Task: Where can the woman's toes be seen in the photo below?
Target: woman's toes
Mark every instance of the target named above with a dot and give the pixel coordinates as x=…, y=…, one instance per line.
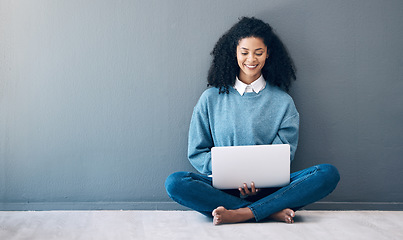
x=217, y=215
x=289, y=212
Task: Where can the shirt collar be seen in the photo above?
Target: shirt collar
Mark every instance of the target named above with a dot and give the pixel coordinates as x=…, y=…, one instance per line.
x=256, y=86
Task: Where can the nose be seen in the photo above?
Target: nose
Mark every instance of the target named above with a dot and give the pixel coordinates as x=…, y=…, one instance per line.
x=251, y=57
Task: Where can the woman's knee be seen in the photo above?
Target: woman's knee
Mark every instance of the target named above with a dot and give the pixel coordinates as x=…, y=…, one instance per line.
x=330, y=173
x=173, y=182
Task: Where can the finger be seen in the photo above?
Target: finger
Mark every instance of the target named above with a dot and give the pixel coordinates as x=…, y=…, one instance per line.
x=252, y=186
x=246, y=189
x=242, y=191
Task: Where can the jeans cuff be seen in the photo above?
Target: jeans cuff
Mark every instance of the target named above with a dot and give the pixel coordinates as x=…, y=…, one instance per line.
x=254, y=214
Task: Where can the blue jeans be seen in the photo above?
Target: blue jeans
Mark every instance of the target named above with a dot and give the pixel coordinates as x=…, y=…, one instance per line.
x=195, y=191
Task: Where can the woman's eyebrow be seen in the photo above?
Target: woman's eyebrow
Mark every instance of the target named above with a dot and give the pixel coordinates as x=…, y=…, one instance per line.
x=244, y=48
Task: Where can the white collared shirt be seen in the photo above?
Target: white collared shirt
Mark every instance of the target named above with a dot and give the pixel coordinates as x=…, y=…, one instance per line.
x=256, y=86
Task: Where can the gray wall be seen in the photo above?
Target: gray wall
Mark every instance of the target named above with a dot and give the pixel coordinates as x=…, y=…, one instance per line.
x=96, y=96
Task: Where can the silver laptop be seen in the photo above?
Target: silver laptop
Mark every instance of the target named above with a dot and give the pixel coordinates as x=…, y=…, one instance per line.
x=265, y=165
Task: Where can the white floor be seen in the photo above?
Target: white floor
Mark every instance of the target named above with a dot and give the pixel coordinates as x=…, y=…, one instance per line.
x=99, y=225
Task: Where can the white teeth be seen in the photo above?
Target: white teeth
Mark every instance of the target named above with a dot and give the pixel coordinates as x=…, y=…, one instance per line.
x=250, y=66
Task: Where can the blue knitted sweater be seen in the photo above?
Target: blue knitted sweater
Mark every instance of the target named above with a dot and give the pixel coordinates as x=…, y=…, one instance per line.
x=269, y=117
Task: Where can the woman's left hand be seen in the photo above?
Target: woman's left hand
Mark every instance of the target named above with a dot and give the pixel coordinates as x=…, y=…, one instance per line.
x=245, y=192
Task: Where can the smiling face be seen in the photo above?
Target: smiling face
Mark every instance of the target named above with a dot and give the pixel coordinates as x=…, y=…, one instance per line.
x=251, y=54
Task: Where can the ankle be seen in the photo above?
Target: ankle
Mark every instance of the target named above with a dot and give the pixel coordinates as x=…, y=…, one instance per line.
x=245, y=213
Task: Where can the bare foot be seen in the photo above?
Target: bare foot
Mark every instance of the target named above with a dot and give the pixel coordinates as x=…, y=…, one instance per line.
x=286, y=215
x=222, y=215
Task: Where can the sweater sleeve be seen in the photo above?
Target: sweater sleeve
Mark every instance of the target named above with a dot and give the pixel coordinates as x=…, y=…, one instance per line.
x=200, y=140
x=288, y=133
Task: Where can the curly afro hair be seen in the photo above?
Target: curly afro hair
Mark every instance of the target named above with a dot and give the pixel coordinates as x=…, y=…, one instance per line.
x=279, y=70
